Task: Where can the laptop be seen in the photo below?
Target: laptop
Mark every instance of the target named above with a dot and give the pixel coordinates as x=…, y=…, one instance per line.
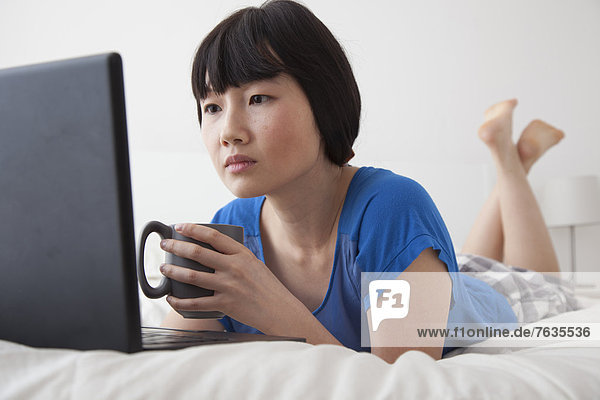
x=67, y=246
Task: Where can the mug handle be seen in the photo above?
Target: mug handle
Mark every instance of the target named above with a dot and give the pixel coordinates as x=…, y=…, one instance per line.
x=164, y=287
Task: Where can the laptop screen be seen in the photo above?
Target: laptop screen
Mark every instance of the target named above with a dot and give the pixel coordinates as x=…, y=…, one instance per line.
x=67, y=248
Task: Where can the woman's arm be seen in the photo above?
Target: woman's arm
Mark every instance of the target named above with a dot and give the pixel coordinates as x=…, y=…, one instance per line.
x=430, y=292
x=244, y=289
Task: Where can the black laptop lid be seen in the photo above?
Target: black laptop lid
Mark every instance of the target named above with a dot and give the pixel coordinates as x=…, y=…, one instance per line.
x=67, y=249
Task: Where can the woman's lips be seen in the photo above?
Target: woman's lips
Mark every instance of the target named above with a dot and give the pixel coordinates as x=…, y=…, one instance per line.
x=238, y=163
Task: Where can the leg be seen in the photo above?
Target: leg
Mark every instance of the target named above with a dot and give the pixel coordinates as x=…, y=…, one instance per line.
x=486, y=237
x=535, y=140
x=510, y=221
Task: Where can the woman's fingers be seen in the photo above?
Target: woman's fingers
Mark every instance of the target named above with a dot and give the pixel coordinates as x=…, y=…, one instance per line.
x=219, y=241
x=206, y=303
x=223, y=244
x=192, y=251
x=201, y=279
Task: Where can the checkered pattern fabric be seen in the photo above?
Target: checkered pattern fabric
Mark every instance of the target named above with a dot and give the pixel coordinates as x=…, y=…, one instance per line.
x=532, y=295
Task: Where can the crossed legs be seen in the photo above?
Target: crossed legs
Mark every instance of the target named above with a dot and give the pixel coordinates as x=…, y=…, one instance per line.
x=510, y=227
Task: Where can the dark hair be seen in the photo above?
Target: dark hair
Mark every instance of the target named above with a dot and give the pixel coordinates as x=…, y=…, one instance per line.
x=283, y=36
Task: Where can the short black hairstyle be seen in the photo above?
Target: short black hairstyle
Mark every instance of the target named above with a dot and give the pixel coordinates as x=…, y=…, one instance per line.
x=283, y=36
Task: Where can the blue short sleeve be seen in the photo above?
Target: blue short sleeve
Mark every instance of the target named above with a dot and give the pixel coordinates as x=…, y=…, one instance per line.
x=399, y=220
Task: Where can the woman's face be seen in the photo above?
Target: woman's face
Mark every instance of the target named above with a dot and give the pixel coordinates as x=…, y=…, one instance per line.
x=262, y=136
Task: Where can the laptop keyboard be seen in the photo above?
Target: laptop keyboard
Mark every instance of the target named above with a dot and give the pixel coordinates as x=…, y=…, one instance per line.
x=166, y=338
x=163, y=337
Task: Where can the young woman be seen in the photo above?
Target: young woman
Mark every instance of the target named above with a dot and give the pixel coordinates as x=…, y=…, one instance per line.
x=279, y=110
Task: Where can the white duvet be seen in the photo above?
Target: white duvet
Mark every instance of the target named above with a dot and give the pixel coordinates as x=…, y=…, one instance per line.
x=290, y=370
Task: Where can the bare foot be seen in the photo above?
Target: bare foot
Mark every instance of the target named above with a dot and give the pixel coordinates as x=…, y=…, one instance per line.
x=496, y=131
x=535, y=140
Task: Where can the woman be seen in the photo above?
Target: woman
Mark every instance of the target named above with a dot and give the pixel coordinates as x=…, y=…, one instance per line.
x=279, y=110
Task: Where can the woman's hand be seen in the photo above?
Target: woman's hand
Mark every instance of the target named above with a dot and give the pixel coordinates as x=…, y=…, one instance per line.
x=244, y=287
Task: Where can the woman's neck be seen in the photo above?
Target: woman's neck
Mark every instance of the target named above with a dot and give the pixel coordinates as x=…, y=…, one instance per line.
x=305, y=214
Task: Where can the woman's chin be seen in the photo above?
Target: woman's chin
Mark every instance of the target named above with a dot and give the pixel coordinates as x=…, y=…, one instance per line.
x=244, y=191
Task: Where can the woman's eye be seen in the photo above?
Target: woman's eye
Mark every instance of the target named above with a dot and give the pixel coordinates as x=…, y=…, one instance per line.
x=211, y=108
x=259, y=98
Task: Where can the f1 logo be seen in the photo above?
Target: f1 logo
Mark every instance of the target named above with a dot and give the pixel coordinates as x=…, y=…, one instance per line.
x=392, y=300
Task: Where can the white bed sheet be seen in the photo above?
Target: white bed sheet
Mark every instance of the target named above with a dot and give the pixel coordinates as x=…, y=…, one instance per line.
x=282, y=370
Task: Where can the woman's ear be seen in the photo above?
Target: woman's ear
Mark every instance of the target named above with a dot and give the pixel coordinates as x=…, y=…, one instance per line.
x=349, y=157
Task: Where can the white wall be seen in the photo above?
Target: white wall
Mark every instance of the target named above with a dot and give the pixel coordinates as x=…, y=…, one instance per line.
x=427, y=70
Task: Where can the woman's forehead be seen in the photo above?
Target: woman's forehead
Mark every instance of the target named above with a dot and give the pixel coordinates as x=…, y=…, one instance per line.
x=281, y=79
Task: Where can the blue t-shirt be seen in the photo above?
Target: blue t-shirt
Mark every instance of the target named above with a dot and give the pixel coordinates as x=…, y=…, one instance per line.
x=386, y=222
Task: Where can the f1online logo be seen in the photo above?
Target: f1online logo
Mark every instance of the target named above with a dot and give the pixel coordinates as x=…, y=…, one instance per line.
x=389, y=299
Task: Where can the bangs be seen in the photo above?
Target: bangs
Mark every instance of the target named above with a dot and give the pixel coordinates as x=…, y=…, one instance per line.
x=235, y=54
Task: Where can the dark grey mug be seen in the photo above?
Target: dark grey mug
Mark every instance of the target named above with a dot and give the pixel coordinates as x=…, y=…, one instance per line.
x=171, y=286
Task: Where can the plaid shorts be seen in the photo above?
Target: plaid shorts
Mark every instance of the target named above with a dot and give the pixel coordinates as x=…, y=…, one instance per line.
x=532, y=295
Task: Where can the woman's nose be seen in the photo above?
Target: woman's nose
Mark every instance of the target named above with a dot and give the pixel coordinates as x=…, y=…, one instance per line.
x=234, y=130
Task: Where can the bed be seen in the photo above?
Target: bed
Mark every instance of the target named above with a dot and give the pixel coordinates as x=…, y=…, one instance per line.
x=282, y=370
